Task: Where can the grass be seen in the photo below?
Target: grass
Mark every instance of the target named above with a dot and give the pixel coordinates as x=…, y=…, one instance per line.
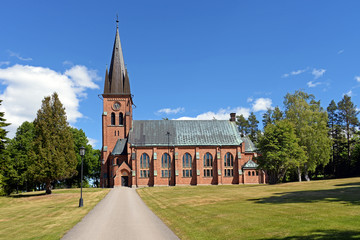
x=39, y=216
x=326, y=209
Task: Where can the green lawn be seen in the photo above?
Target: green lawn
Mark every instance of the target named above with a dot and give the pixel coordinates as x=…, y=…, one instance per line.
x=39, y=216
x=328, y=209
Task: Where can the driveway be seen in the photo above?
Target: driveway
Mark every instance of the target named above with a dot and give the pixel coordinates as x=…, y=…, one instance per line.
x=120, y=215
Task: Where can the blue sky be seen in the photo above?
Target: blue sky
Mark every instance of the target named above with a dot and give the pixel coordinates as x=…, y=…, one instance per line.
x=186, y=59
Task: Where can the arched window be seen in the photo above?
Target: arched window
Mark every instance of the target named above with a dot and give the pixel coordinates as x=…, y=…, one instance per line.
x=144, y=165
x=257, y=173
x=208, y=165
x=249, y=173
x=228, y=165
x=166, y=165
x=112, y=118
x=121, y=119
x=253, y=173
x=187, y=165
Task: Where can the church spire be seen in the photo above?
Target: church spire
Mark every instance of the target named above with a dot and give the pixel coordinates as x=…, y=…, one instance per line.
x=118, y=82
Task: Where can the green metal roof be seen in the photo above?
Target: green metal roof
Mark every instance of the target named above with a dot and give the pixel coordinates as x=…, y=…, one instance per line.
x=120, y=147
x=184, y=133
x=250, y=165
x=249, y=145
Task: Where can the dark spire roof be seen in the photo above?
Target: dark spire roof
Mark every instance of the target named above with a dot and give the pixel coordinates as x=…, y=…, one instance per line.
x=118, y=80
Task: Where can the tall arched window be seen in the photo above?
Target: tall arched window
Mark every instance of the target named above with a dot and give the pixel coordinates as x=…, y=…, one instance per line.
x=228, y=165
x=144, y=165
x=166, y=165
x=208, y=165
x=112, y=118
x=187, y=165
x=121, y=119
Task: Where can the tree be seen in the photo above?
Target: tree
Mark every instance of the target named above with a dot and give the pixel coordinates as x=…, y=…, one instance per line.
x=280, y=150
x=267, y=117
x=19, y=159
x=277, y=114
x=253, y=127
x=4, y=157
x=271, y=116
x=91, y=159
x=243, y=125
x=3, y=132
x=310, y=122
x=53, y=152
x=348, y=120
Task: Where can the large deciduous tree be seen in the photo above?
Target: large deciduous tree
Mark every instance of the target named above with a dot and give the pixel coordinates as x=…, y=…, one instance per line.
x=280, y=150
x=91, y=160
x=53, y=152
x=19, y=159
x=310, y=122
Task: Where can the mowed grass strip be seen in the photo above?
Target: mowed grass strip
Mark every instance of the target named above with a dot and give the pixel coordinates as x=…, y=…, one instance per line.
x=39, y=216
x=327, y=209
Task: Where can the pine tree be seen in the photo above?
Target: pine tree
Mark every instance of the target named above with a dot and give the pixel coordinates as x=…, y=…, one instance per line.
x=3, y=132
x=253, y=127
x=243, y=125
x=4, y=156
x=53, y=152
x=267, y=117
x=348, y=119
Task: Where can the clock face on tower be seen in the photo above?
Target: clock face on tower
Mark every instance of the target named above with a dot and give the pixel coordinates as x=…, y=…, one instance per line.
x=116, y=106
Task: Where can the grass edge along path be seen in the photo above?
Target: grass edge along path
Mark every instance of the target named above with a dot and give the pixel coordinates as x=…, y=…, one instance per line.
x=38, y=216
x=325, y=209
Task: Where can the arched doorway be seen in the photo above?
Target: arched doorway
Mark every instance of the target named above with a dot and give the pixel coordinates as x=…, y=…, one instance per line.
x=124, y=178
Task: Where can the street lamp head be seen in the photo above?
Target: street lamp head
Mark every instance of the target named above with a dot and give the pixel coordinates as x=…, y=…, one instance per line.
x=82, y=151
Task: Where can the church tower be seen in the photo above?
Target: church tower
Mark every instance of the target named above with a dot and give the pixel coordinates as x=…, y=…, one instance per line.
x=116, y=120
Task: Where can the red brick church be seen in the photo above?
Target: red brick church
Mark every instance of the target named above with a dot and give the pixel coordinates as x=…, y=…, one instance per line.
x=167, y=152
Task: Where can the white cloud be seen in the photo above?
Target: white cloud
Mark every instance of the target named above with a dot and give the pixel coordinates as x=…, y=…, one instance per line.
x=66, y=62
x=313, y=84
x=26, y=86
x=261, y=104
x=4, y=63
x=357, y=78
x=341, y=51
x=293, y=73
x=249, y=99
x=318, y=73
x=349, y=93
x=171, y=111
x=17, y=55
x=221, y=114
x=92, y=142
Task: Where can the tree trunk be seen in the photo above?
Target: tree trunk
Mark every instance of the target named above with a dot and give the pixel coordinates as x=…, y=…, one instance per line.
x=48, y=188
x=306, y=173
x=299, y=174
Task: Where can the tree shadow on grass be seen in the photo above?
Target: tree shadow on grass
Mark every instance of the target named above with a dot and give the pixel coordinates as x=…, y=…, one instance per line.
x=27, y=195
x=348, y=184
x=347, y=195
x=323, y=235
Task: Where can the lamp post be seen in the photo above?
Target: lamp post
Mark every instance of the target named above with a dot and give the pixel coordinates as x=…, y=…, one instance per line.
x=82, y=153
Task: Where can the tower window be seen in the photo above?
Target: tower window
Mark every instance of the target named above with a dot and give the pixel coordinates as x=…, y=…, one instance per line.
x=112, y=118
x=121, y=119
x=144, y=165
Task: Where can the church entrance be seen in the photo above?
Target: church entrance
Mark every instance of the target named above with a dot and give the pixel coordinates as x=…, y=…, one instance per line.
x=124, y=181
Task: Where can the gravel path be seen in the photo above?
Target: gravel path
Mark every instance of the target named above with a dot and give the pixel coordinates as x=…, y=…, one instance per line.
x=120, y=215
